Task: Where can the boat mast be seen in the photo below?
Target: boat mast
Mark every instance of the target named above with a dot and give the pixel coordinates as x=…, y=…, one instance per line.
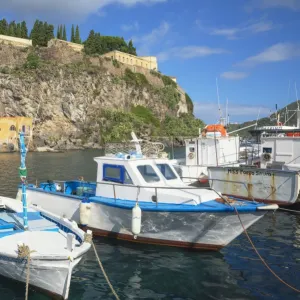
x=23, y=176
x=218, y=96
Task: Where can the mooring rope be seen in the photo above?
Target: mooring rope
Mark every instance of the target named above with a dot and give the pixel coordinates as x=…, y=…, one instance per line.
x=290, y=210
x=260, y=257
x=24, y=253
x=104, y=273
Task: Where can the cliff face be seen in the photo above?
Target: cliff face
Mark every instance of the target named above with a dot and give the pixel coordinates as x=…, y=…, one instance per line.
x=67, y=94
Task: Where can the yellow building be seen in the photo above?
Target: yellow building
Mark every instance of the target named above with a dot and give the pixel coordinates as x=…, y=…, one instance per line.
x=148, y=62
x=9, y=131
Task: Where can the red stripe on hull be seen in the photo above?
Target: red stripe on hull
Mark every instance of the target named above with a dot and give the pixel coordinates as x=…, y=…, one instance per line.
x=143, y=240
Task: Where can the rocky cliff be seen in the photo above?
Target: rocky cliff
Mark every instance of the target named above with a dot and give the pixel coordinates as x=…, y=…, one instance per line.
x=77, y=101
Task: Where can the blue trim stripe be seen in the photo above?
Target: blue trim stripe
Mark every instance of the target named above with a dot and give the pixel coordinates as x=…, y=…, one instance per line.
x=63, y=228
x=210, y=206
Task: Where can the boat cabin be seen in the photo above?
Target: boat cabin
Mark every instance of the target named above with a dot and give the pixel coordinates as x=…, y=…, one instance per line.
x=148, y=179
x=212, y=150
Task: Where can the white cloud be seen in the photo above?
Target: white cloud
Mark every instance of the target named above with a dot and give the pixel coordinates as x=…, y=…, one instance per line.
x=234, y=75
x=71, y=9
x=276, y=53
x=263, y=4
x=209, y=111
x=251, y=27
x=189, y=52
x=147, y=41
x=131, y=27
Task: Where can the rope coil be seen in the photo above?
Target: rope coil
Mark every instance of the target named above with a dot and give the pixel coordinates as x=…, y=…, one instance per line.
x=24, y=252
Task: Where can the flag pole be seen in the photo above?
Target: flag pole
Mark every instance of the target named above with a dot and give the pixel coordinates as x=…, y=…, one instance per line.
x=23, y=176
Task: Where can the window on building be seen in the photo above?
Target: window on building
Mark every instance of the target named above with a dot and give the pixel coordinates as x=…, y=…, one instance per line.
x=12, y=128
x=166, y=170
x=123, y=59
x=112, y=57
x=131, y=61
x=24, y=128
x=148, y=173
x=127, y=59
x=115, y=173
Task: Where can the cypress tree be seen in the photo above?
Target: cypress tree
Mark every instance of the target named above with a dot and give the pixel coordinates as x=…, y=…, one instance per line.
x=24, y=30
x=12, y=29
x=77, y=36
x=18, y=31
x=57, y=32
x=72, y=34
x=61, y=32
x=64, y=33
x=49, y=33
x=3, y=27
x=34, y=34
x=89, y=45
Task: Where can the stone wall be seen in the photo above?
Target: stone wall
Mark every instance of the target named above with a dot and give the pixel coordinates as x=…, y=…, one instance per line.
x=57, y=42
x=14, y=41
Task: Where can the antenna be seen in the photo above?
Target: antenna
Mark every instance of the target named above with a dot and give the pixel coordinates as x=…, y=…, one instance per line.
x=297, y=96
x=226, y=113
x=220, y=112
x=258, y=116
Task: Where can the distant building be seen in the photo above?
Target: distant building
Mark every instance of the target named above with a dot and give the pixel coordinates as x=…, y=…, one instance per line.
x=57, y=42
x=173, y=78
x=14, y=41
x=147, y=62
x=9, y=131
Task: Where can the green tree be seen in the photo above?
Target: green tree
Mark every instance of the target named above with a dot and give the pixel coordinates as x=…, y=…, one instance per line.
x=90, y=45
x=24, y=30
x=72, y=34
x=12, y=28
x=131, y=49
x=58, y=32
x=64, y=33
x=49, y=33
x=77, y=38
x=3, y=27
x=18, y=30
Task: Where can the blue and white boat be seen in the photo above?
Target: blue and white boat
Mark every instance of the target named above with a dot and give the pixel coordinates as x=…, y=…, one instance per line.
x=37, y=246
x=144, y=200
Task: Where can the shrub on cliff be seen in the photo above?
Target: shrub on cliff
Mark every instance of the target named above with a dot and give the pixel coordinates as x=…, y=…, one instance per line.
x=137, y=79
x=32, y=61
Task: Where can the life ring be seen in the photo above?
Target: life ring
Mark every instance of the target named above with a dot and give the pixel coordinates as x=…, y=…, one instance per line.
x=191, y=155
x=266, y=156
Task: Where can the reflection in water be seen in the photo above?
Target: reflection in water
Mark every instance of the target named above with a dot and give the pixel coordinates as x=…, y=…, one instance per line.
x=152, y=272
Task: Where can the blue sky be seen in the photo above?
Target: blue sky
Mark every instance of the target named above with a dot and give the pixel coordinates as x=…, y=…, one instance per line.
x=251, y=46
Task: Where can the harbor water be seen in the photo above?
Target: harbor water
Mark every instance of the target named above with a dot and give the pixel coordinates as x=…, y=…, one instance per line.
x=152, y=272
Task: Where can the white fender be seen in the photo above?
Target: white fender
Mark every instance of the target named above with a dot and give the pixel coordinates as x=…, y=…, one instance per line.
x=136, y=221
x=85, y=212
x=19, y=195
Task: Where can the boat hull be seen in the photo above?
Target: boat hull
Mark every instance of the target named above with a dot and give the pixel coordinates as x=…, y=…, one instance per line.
x=49, y=276
x=262, y=185
x=195, y=230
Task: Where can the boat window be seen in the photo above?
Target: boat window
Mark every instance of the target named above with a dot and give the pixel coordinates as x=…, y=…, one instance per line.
x=166, y=170
x=116, y=173
x=148, y=173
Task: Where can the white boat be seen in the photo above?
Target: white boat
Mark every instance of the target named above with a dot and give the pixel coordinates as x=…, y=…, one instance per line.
x=56, y=244
x=277, y=180
x=36, y=246
x=213, y=147
x=144, y=200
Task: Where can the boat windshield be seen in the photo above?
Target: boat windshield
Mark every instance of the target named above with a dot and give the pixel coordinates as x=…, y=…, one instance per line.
x=148, y=173
x=166, y=170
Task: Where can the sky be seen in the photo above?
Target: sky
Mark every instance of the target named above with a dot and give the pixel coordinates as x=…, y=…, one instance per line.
x=247, y=51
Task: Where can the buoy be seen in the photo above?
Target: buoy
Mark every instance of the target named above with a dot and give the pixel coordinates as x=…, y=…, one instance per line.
x=136, y=220
x=85, y=212
x=19, y=195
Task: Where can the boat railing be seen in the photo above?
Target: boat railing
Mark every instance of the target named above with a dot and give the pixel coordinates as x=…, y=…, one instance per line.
x=157, y=188
x=181, y=188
